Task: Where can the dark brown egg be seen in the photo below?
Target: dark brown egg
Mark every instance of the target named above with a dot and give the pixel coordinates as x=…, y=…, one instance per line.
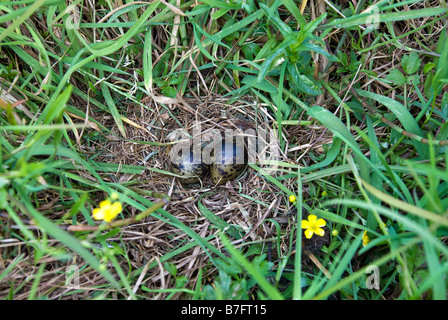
x=192, y=170
x=229, y=160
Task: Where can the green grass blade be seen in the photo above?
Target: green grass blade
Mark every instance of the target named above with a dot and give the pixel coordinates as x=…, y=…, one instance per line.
x=403, y=115
x=54, y=110
x=198, y=42
x=11, y=266
x=386, y=17
x=337, y=127
x=337, y=219
x=217, y=221
x=268, y=288
x=406, y=221
x=406, y=207
x=434, y=266
x=112, y=107
x=297, y=285
x=21, y=18
x=294, y=10
x=67, y=239
x=342, y=265
x=141, y=203
x=36, y=281
x=282, y=27
x=107, y=48
x=329, y=157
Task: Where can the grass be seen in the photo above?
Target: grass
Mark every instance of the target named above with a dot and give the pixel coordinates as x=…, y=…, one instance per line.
x=354, y=92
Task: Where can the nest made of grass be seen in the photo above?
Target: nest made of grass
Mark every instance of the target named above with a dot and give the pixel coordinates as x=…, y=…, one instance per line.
x=247, y=202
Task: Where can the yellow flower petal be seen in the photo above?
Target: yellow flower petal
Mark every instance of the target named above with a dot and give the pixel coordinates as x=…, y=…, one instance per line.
x=98, y=214
x=365, y=239
x=104, y=203
x=308, y=233
x=312, y=226
x=321, y=223
x=107, y=211
x=319, y=232
x=108, y=218
x=116, y=208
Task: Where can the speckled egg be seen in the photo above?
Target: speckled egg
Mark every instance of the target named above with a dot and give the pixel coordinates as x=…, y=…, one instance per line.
x=229, y=160
x=190, y=170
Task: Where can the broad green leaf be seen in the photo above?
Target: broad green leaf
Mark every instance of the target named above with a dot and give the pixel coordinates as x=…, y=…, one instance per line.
x=308, y=86
x=282, y=106
x=313, y=24
x=396, y=77
x=238, y=26
x=218, y=14
x=441, y=46
x=309, y=46
x=263, y=85
x=266, y=66
x=411, y=63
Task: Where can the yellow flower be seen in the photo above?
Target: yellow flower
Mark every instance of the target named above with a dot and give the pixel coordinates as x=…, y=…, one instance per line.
x=313, y=226
x=292, y=199
x=324, y=193
x=107, y=211
x=365, y=239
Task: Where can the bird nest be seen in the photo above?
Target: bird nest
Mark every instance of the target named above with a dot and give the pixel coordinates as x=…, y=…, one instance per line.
x=250, y=203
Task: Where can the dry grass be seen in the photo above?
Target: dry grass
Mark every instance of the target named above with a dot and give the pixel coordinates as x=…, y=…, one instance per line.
x=247, y=202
